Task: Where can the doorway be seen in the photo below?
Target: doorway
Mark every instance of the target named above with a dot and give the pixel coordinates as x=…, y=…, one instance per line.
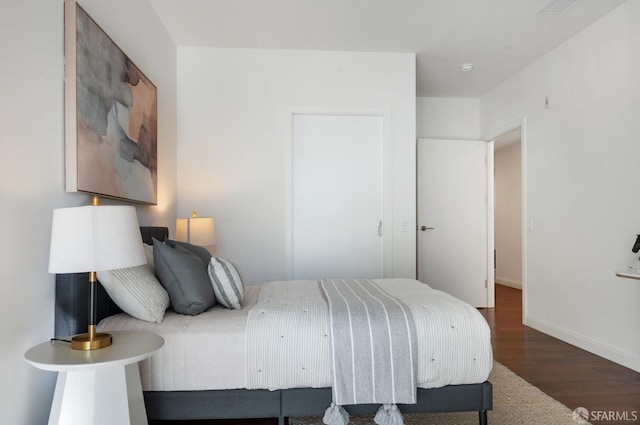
x=509, y=209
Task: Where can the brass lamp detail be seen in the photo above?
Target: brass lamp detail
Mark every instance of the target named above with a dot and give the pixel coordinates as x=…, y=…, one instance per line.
x=92, y=340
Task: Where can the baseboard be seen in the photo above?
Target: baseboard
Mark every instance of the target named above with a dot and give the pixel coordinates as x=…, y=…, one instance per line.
x=614, y=354
x=507, y=282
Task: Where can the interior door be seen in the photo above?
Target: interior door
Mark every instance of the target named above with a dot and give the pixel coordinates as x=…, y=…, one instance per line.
x=337, y=196
x=453, y=213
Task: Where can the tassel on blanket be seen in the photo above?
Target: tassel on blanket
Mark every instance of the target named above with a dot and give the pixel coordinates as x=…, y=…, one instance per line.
x=388, y=414
x=335, y=415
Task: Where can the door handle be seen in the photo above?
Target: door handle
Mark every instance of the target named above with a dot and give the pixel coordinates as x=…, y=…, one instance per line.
x=423, y=228
x=380, y=228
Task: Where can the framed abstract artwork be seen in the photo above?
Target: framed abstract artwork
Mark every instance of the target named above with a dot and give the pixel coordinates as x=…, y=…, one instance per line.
x=110, y=116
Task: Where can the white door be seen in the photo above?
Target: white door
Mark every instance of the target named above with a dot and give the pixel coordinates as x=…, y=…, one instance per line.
x=453, y=214
x=337, y=196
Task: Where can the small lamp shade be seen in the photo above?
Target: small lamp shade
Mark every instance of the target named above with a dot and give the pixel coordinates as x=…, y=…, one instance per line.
x=95, y=238
x=196, y=230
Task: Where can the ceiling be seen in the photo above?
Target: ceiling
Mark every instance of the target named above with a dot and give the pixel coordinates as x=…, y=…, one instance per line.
x=499, y=37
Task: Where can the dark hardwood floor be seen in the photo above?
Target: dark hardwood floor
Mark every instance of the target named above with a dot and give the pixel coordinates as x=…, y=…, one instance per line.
x=569, y=374
x=572, y=376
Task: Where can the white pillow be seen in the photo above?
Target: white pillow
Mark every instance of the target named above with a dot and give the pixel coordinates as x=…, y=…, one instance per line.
x=148, y=252
x=137, y=291
x=227, y=284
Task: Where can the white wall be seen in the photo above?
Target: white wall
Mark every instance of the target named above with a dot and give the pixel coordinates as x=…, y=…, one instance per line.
x=508, y=215
x=581, y=173
x=235, y=134
x=32, y=171
x=448, y=118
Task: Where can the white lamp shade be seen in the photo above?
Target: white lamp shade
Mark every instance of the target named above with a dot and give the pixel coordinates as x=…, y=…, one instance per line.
x=95, y=238
x=196, y=230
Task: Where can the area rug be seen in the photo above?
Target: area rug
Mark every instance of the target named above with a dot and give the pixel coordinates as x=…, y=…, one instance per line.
x=515, y=401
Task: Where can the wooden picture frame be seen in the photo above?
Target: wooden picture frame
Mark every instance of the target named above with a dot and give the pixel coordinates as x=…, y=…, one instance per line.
x=110, y=116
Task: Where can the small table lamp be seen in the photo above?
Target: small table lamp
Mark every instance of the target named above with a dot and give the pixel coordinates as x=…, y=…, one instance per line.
x=91, y=239
x=196, y=230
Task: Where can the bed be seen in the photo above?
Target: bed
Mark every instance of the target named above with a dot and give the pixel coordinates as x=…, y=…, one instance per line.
x=187, y=403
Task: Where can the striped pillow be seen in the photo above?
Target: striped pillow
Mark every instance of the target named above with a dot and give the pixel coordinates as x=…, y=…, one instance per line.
x=136, y=291
x=227, y=284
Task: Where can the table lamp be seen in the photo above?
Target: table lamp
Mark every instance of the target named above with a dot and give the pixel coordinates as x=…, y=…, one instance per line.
x=90, y=239
x=196, y=230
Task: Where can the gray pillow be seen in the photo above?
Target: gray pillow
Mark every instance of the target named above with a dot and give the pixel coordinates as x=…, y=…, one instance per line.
x=184, y=277
x=196, y=250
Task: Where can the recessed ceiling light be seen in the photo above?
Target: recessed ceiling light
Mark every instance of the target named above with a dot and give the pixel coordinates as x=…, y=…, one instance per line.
x=508, y=46
x=466, y=67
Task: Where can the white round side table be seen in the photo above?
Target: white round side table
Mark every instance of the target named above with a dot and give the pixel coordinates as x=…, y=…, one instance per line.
x=97, y=387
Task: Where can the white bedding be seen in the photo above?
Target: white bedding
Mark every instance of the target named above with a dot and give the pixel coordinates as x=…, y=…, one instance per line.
x=203, y=352
x=208, y=351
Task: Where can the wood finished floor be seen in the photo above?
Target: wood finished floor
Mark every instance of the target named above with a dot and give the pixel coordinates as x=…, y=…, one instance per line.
x=569, y=374
x=573, y=376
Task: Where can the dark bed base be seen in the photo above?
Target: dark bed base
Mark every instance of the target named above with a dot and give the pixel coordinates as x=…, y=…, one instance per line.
x=238, y=404
x=71, y=317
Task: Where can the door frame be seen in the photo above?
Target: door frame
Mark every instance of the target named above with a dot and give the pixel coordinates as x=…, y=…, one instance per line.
x=492, y=135
x=491, y=224
x=387, y=176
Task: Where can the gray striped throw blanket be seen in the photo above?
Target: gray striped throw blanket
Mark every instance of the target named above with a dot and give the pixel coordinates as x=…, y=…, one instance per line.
x=373, y=342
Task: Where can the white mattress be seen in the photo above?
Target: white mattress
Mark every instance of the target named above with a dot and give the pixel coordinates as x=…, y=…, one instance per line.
x=203, y=352
x=209, y=351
